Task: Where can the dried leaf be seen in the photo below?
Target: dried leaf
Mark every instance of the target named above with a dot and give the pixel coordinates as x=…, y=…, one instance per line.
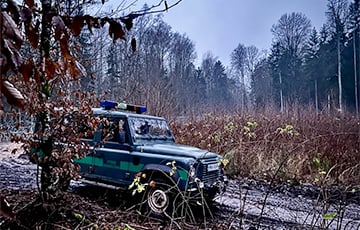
x=15, y=56
x=77, y=25
x=10, y=30
x=116, y=31
x=27, y=69
x=30, y=3
x=13, y=95
x=133, y=44
x=152, y=184
x=26, y=15
x=96, y=23
x=128, y=23
x=64, y=47
x=50, y=68
x=103, y=21
x=14, y=10
x=90, y=21
x=32, y=35
x=3, y=64
x=59, y=26
x=74, y=72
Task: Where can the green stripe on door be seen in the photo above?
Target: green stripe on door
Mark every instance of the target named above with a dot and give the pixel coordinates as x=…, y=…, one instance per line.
x=124, y=165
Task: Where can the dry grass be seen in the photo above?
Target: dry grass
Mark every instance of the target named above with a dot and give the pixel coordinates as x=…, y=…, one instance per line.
x=297, y=147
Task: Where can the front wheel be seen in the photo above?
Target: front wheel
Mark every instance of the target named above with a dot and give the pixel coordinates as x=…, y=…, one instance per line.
x=160, y=199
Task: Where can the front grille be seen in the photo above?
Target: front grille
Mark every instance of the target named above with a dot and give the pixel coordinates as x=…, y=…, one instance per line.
x=208, y=177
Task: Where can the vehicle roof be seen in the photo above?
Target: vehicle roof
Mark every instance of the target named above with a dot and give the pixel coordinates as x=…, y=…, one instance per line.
x=121, y=113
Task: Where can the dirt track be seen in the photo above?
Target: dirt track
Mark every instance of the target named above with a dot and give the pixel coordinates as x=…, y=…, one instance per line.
x=241, y=206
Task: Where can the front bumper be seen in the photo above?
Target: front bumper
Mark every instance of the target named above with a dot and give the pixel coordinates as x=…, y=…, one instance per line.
x=210, y=190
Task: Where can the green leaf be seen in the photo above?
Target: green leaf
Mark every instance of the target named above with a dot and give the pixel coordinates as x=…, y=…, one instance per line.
x=140, y=188
x=78, y=216
x=127, y=227
x=132, y=185
x=329, y=215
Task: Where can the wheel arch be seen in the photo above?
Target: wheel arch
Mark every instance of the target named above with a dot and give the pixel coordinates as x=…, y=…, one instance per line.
x=161, y=172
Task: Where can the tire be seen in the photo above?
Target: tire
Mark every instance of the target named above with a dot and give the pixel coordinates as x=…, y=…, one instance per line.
x=160, y=199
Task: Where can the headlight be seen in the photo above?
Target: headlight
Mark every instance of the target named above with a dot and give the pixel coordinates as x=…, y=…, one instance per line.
x=192, y=171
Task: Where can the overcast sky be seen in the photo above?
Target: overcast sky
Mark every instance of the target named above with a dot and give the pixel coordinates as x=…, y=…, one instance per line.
x=220, y=25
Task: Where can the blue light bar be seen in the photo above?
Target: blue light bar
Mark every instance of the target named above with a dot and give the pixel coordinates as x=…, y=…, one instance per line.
x=108, y=104
x=129, y=107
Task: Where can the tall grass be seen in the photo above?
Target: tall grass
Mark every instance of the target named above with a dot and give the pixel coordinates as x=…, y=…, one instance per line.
x=304, y=145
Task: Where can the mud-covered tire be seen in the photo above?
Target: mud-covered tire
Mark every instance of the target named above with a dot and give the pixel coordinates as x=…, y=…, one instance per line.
x=160, y=198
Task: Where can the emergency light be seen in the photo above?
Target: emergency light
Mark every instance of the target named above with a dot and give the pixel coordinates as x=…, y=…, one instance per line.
x=129, y=107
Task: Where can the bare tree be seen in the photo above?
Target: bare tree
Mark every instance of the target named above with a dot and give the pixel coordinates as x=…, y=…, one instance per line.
x=291, y=31
x=337, y=15
x=181, y=57
x=239, y=62
x=290, y=35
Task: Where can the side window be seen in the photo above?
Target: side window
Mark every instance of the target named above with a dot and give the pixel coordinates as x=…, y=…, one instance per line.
x=114, y=130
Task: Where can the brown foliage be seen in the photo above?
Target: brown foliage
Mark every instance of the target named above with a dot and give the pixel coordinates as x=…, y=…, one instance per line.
x=17, y=26
x=274, y=147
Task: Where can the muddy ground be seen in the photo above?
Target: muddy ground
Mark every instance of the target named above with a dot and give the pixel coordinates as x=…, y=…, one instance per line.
x=247, y=204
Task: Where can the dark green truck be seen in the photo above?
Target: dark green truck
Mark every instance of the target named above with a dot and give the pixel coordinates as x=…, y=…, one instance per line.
x=136, y=152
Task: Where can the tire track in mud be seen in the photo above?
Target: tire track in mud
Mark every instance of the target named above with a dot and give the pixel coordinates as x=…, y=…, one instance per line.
x=242, y=205
x=249, y=203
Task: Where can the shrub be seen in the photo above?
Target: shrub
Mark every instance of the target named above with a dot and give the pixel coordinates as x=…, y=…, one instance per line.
x=262, y=145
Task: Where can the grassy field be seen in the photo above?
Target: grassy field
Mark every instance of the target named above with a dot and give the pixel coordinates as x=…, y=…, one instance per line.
x=301, y=147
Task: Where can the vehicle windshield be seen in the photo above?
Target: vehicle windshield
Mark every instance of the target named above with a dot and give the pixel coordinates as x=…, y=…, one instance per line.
x=145, y=129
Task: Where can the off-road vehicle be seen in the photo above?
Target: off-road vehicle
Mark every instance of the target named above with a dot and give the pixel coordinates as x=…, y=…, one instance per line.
x=136, y=152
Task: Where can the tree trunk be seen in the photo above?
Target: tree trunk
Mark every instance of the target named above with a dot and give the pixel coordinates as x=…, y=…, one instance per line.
x=339, y=75
x=243, y=92
x=316, y=98
x=281, y=95
x=355, y=76
x=46, y=142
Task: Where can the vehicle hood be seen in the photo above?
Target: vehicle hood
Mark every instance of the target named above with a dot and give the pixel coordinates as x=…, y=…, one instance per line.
x=177, y=150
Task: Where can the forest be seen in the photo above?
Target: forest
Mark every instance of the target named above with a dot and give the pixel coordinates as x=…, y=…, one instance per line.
x=285, y=115
x=306, y=67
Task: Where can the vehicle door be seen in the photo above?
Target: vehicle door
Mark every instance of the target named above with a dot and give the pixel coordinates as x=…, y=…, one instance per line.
x=112, y=156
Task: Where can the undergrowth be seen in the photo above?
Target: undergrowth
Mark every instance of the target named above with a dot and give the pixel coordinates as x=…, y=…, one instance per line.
x=295, y=148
